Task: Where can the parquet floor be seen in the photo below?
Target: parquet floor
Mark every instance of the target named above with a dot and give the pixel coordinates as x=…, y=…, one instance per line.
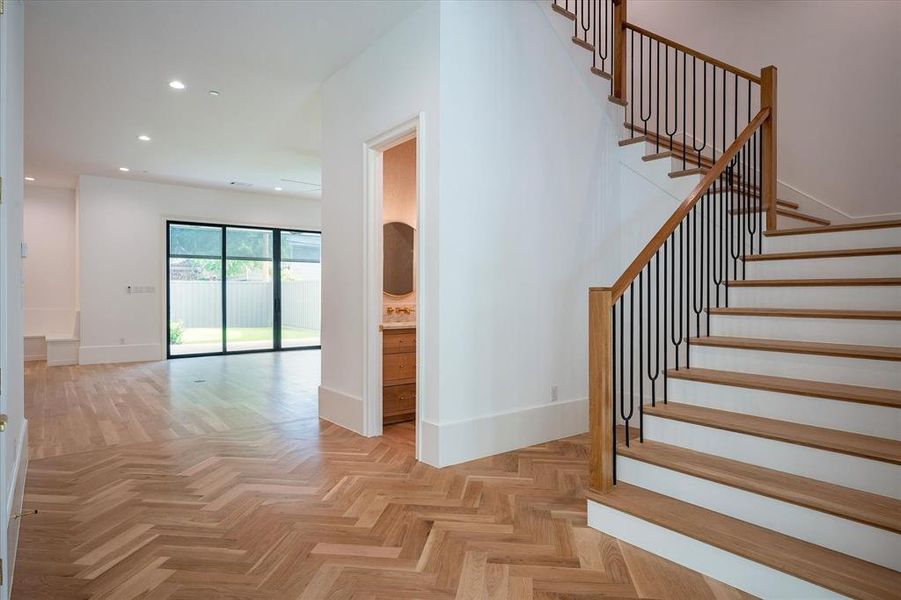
x=299, y=508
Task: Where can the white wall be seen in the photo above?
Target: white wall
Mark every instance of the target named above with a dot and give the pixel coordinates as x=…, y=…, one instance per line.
x=389, y=84
x=529, y=221
x=838, y=87
x=122, y=243
x=13, y=447
x=50, y=232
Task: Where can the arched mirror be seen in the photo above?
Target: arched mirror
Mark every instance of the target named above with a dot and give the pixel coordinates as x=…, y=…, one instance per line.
x=398, y=259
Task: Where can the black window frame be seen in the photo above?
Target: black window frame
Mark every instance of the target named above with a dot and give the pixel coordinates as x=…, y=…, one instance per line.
x=276, y=288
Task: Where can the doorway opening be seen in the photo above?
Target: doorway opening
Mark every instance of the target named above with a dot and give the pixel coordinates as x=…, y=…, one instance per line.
x=393, y=397
x=235, y=289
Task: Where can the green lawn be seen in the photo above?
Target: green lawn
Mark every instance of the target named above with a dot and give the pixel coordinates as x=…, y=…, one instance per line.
x=211, y=335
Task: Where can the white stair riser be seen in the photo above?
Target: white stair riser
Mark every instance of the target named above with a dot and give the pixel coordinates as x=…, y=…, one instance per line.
x=850, y=297
x=841, y=469
x=839, y=331
x=867, y=419
x=888, y=265
x=834, y=369
x=865, y=542
x=734, y=570
x=838, y=240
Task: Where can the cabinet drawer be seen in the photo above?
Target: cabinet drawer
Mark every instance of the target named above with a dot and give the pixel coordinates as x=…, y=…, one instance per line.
x=399, y=340
x=399, y=366
x=399, y=400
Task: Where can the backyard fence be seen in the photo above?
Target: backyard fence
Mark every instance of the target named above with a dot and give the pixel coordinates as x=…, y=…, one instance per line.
x=249, y=303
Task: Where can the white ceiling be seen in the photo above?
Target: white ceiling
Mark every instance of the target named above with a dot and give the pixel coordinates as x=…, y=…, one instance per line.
x=97, y=73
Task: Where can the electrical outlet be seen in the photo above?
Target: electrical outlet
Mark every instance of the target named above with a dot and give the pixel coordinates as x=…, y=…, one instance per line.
x=553, y=393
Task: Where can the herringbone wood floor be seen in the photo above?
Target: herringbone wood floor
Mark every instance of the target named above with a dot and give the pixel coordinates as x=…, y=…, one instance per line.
x=304, y=509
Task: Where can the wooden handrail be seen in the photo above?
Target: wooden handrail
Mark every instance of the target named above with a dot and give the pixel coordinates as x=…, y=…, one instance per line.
x=622, y=284
x=687, y=50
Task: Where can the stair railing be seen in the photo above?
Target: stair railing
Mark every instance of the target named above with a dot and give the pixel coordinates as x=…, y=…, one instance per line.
x=686, y=103
x=718, y=121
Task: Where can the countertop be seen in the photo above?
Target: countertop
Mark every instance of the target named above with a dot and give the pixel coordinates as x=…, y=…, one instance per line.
x=399, y=325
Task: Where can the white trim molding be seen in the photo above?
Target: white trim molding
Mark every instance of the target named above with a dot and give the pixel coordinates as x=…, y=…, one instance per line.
x=373, y=150
x=469, y=439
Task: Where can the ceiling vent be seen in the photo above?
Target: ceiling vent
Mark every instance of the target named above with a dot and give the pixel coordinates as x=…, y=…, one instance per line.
x=243, y=184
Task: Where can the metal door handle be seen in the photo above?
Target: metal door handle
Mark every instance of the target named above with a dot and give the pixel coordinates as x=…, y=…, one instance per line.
x=3, y=421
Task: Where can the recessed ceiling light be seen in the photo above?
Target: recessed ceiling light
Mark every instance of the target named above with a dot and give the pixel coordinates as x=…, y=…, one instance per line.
x=175, y=84
x=29, y=179
x=144, y=138
x=124, y=169
x=214, y=92
x=278, y=189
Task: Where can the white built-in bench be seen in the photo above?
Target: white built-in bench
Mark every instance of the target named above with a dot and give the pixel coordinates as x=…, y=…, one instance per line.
x=57, y=349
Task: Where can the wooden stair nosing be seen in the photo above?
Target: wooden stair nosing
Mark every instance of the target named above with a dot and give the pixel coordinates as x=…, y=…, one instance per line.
x=582, y=43
x=831, y=440
x=812, y=254
x=823, y=567
x=601, y=73
x=688, y=172
x=788, y=204
x=786, y=385
x=836, y=228
x=569, y=15
x=813, y=282
x=634, y=140
x=794, y=214
x=847, y=503
x=782, y=212
x=889, y=353
x=809, y=313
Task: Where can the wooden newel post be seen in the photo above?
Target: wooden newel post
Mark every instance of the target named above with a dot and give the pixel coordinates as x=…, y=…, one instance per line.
x=768, y=167
x=600, y=389
x=619, y=49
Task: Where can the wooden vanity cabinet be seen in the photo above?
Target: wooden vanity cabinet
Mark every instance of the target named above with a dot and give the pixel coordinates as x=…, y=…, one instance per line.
x=398, y=375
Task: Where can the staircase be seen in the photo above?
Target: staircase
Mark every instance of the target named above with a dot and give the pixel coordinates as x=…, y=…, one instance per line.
x=745, y=390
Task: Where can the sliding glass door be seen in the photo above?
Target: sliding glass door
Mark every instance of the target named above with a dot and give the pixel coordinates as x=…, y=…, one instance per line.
x=301, y=276
x=241, y=289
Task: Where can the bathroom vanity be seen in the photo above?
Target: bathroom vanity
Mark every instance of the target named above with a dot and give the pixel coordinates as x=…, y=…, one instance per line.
x=398, y=372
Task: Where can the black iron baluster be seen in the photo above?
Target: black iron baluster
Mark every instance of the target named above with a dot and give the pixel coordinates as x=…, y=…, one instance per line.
x=631, y=88
x=654, y=315
x=641, y=78
x=613, y=383
x=640, y=358
x=657, y=103
x=684, y=107
x=664, y=311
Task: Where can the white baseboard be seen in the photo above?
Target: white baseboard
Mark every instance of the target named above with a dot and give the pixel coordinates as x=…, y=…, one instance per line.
x=341, y=409
x=14, y=501
x=35, y=348
x=461, y=441
x=93, y=355
x=734, y=570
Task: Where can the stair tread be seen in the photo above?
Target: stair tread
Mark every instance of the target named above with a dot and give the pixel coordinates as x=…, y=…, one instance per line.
x=801, y=387
x=834, y=440
x=824, y=254
x=796, y=214
x=813, y=313
x=836, y=227
x=814, y=282
x=829, y=569
x=863, y=507
x=780, y=211
x=799, y=347
x=788, y=203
